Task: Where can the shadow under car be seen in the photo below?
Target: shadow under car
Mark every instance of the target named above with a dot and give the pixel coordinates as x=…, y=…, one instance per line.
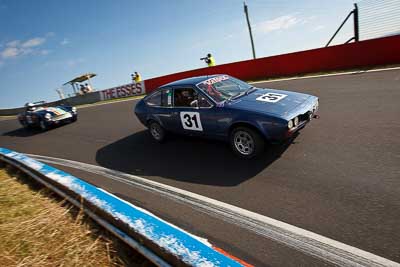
x=187, y=159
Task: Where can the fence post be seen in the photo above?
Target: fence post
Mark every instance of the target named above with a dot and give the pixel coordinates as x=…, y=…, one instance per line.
x=356, y=27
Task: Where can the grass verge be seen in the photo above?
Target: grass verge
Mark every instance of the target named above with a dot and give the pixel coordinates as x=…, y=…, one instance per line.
x=37, y=228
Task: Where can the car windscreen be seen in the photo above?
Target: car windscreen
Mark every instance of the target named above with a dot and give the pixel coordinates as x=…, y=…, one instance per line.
x=223, y=87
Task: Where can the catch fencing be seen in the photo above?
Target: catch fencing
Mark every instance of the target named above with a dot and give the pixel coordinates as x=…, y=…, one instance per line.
x=378, y=18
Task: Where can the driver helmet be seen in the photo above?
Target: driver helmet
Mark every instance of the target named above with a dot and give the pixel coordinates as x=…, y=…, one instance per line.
x=30, y=106
x=185, y=93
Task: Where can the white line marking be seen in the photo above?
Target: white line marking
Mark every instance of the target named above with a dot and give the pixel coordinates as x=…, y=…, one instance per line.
x=326, y=75
x=302, y=240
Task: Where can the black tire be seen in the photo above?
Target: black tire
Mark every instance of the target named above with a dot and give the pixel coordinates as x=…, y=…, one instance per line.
x=25, y=125
x=43, y=126
x=246, y=142
x=74, y=118
x=157, y=131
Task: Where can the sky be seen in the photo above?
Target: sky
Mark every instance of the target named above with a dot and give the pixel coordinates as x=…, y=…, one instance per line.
x=45, y=43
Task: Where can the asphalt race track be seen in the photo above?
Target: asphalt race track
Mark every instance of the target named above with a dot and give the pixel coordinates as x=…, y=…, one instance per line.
x=340, y=177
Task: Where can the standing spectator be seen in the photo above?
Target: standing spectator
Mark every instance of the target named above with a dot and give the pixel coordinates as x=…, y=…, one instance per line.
x=82, y=89
x=89, y=89
x=209, y=60
x=138, y=78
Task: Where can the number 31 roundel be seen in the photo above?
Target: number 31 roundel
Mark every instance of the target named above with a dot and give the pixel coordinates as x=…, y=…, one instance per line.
x=191, y=121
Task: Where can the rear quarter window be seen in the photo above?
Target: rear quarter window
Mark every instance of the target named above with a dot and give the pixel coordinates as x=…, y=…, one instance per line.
x=154, y=99
x=162, y=98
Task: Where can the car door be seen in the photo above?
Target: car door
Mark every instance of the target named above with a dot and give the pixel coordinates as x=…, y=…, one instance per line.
x=193, y=112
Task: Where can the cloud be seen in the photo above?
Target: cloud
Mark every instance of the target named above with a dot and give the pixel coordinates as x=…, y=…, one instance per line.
x=318, y=28
x=65, y=41
x=44, y=52
x=75, y=62
x=18, y=48
x=13, y=43
x=280, y=23
x=34, y=42
x=10, y=52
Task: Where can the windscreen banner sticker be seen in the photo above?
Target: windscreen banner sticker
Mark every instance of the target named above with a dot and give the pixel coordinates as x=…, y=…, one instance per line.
x=215, y=80
x=271, y=97
x=191, y=121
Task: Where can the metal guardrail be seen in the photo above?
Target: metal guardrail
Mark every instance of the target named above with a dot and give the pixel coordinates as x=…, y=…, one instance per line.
x=162, y=243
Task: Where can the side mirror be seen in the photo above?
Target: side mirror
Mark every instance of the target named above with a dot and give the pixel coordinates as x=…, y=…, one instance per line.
x=194, y=104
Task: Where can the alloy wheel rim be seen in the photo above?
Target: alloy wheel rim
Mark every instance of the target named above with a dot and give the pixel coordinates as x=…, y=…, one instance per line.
x=244, y=143
x=42, y=125
x=155, y=132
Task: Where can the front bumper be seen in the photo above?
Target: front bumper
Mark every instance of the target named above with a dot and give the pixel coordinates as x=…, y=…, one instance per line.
x=66, y=118
x=305, y=118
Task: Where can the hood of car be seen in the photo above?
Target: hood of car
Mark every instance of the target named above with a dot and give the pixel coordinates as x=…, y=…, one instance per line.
x=54, y=111
x=270, y=101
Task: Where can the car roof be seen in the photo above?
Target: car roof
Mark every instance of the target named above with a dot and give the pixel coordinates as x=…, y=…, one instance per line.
x=191, y=81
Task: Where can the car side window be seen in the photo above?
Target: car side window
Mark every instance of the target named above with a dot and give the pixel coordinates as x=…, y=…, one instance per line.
x=162, y=98
x=203, y=102
x=154, y=100
x=184, y=96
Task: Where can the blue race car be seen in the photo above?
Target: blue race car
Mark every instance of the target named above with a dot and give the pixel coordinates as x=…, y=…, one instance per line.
x=223, y=107
x=39, y=115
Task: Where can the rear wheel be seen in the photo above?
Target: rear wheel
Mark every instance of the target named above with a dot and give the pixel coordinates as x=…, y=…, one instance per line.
x=43, y=125
x=25, y=124
x=157, y=131
x=246, y=143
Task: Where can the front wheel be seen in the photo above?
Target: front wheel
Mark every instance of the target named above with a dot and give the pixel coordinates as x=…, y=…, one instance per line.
x=246, y=143
x=43, y=125
x=157, y=131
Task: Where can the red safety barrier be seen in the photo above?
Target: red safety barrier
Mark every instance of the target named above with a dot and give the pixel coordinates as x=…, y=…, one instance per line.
x=340, y=57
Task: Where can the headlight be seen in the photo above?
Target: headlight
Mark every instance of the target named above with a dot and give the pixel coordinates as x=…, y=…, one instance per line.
x=296, y=121
x=73, y=109
x=47, y=116
x=316, y=106
x=290, y=124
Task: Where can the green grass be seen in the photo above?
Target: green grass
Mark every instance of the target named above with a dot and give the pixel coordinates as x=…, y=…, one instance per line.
x=38, y=228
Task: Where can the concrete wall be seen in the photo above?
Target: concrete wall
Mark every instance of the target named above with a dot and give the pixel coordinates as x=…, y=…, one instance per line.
x=339, y=57
x=82, y=99
x=71, y=101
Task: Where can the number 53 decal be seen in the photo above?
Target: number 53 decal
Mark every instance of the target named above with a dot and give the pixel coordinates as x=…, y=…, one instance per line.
x=271, y=97
x=191, y=121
